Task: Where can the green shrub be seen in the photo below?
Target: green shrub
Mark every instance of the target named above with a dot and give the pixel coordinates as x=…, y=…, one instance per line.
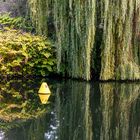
x=16, y=22
x=25, y=54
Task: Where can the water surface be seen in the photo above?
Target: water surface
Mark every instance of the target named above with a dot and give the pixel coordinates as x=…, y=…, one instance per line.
x=85, y=111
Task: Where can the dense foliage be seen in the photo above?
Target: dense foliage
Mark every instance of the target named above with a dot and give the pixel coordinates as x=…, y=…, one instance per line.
x=25, y=54
x=16, y=22
x=94, y=37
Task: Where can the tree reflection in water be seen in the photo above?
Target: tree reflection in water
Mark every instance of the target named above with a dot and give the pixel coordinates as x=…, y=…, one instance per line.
x=73, y=110
x=120, y=111
x=105, y=111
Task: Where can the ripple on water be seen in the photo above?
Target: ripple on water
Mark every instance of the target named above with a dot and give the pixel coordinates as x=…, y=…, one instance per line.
x=2, y=135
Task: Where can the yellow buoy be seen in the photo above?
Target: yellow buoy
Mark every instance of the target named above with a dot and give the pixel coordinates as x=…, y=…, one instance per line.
x=44, y=93
x=44, y=88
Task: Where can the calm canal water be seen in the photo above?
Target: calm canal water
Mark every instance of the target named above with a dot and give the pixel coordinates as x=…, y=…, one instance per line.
x=84, y=111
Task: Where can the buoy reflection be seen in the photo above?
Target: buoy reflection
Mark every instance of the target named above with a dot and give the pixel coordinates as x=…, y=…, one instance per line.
x=44, y=97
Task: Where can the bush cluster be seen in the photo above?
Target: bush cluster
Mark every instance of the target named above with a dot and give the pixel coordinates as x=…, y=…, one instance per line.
x=25, y=54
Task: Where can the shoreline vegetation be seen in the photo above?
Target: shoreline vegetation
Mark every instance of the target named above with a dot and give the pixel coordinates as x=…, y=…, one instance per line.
x=35, y=55
x=22, y=54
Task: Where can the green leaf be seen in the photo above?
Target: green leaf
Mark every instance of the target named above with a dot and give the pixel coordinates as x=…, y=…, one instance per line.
x=42, y=72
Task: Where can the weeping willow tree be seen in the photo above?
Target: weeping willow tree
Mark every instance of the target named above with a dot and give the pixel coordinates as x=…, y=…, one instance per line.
x=39, y=15
x=93, y=37
x=120, y=57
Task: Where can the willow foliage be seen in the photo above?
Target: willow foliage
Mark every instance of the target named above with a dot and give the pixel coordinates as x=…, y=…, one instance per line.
x=93, y=37
x=120, y=47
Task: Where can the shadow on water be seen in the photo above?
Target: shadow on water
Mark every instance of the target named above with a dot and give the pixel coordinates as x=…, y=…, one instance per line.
x=86, y=111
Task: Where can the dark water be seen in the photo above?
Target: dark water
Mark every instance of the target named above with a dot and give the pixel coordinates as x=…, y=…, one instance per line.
x=85, y=111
